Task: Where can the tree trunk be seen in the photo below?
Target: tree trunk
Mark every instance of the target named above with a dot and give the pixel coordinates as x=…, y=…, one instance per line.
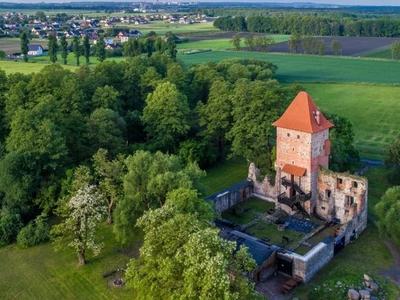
x=81, y=257
x=109, y=217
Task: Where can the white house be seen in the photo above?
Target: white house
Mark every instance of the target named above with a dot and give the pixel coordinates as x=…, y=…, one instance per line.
x=35, y=50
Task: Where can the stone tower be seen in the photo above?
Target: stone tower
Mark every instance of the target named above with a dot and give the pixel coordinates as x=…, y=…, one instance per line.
x=302, y=146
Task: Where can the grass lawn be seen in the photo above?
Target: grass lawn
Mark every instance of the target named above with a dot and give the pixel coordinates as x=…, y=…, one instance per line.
x=41, y=273
x=378, y=184
x=383, y=53
x=25, y=68
x=374, y=111
x=223, y=175
x=312, y=68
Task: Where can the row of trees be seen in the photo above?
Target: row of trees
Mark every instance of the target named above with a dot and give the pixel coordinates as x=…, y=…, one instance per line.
x=310, y=25
x=260, y=43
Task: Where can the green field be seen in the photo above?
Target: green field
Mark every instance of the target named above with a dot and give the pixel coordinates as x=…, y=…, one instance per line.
x=374, y=111
x=310, y=68
x=25, y=68
x=221, y=44
x=385, y=54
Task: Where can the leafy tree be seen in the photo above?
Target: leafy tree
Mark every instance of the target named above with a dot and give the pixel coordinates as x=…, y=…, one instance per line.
x=216, y=114
x=263, y=42
x=166, y=116
x=388, y=211
x=322, y=47
x=82, y=214
x=171, y=49
x=86, y=48
x=148, y=179
x=249, y=42
x=77, y=48
x=107, y=97
x=343, y=152
x=100, y=49
x=110, y=174
x=10, y=225
x=294, y=42
x=336, y=47
x=24, y=45
x=35, y=233
x=52, y=48
x=307, y=44
x=395, y=49
x=132, y=48
x=235, y=41
x=149, y=46
x=392, y=160
x=105, y=129
x=160, y=45
x=193, y=260
x=255, y=106
x=64, y=48
x=3, y=55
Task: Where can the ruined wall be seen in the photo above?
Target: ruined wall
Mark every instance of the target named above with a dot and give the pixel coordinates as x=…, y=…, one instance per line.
x=227, y=198
x=262, y=188
x=343, y=196
x=306, y=266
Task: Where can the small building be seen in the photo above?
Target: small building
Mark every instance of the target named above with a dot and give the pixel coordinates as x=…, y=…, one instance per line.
x=35, y=50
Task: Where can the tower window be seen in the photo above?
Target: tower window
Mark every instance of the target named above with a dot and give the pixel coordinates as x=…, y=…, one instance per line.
x=349, y=201
x=355, y=184
x=328, y=194
x=292, y=149
x=298, y=136
x=323, y=207
x=288, y=134
x=292, y=162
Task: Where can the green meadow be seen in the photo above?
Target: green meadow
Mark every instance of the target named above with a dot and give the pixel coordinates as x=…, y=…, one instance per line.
x=374, y=111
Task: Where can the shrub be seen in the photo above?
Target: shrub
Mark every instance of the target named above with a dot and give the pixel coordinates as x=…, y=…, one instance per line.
x=35, y=233
x=10, y=224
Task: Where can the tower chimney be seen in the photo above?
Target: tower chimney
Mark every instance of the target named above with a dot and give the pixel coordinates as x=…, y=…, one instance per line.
x=318, y=117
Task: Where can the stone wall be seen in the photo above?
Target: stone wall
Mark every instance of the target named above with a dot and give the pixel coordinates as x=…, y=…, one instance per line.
x=306, y=266
x=343, y=196
x=262, y=188
x=227, y=198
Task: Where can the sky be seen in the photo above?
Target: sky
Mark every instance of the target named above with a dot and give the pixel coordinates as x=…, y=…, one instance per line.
x=340, y=2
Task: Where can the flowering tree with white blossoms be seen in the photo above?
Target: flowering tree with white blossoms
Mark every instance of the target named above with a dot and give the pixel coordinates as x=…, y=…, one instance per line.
x=83, y=213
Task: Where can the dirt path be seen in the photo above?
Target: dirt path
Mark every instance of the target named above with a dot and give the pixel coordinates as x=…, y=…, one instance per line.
x=393, y=274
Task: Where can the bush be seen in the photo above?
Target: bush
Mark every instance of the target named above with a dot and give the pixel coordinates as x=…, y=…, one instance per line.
x=35, y=233
x=10, y=224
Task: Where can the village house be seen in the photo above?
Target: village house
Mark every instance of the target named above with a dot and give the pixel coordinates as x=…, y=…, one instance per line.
x=35, y=50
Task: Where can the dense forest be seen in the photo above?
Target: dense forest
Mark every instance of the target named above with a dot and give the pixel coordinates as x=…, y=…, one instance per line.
x=312, y=25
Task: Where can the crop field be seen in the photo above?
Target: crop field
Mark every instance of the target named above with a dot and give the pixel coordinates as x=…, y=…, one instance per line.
x=374, y=111
x=351, y=46
x=10, y=66
x=310, y=68
x=218, y=42
x=13, y=45
x=384, y=54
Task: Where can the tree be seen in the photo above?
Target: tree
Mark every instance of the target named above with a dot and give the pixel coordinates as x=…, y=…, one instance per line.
x=249, y=42
x=100, y=49
x=216, y=114
x=86, y=48
x=64, y=48
x=24, y=45
x=343, y=152
x=255, y=106
x=160, y=45
x=148, y=180
x=82, y=213
x=132, y=48
x=110, y=174
x=294, y=42
x=76, y=48
x=166, y=116
x=336, y=47
x=388, y=211
x=182, y=256
x=322, y=47
x=392, y=160
x=149, y=46
x=52, y=48
x=3, y=55
x=263, y=42
x=107, y=97
x=395, y=49
x=307, y=44
x=235, y=41
x=171, y=48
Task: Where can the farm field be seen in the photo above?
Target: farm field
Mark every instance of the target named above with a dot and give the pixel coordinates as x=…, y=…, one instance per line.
x=10, y=66
x=352, y=46
x=373, y=109
x=13, y=45
x=161, y=27
x=384, y=54
x=310, y=68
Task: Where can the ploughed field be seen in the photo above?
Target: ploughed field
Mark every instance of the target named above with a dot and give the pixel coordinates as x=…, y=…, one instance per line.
x=351, y=46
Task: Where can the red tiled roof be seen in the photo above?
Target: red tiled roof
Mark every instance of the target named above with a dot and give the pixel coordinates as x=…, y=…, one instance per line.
x=301, y=115
x=294, y=170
